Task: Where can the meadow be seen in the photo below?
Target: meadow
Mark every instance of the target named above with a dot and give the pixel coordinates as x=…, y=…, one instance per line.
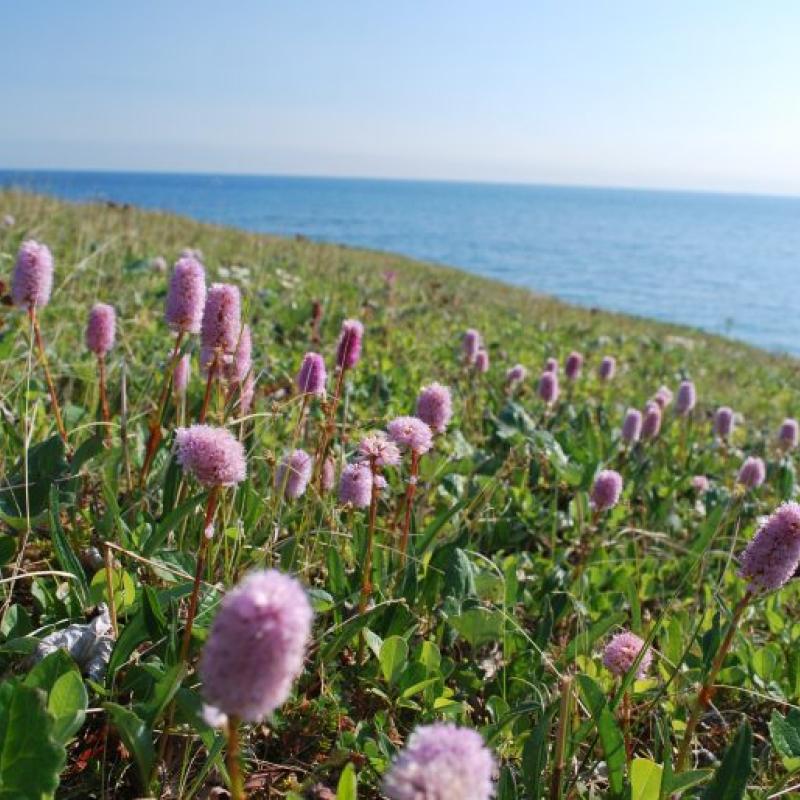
x=527, y=581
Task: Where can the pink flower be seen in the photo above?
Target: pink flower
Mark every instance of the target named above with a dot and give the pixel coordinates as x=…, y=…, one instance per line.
x=606, y=490
x=238, y=367
x=788, y=434
x=687, y=398
x=348, y=350
x=516, y=374
x=607, y=368
x=213, y=455
x=186, y=296
x=180, y=377
x=411, y=433
x=221, y=324
x=632, y=426
x=752, y=473
x=551, y=365
x=651, y=423
x=355, y=485
x=700, y=483
x=663, y=397
x=32, y=281
x=621, y=653
x=470, y=345
x=247, y=394
x=294, y=473
x=482, y=361
x=435, y=407
x=257, y=645
x=328, y=477
x=573, y=366
x=376, y=447
x=772, y=557
x=312, y=376
x=723, y=422
x=548, y=387
x=100, y=329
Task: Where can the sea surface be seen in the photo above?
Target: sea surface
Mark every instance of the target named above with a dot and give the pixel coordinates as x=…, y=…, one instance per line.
x=726, y=263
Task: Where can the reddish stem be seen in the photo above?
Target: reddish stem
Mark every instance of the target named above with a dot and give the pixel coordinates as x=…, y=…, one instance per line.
x=411, y=490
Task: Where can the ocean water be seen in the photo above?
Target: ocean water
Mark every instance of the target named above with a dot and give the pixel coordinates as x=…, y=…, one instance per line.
x=726, y=263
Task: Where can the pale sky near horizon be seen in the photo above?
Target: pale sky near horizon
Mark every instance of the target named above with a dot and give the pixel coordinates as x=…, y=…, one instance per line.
x=682, y=94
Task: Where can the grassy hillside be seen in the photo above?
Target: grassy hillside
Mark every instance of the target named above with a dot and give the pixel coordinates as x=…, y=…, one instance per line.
x=513, y=582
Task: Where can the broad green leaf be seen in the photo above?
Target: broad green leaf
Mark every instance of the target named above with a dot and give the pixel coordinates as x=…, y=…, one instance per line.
x=8, y=546
x=730, y=779
x=393, y=659
x=534, y=754
x=785, y=733
x=645, y=779
x=348, y=784
x=685, y=780
x=137, y=737
x=64, y=553
x=67, y=704
x=479, y=625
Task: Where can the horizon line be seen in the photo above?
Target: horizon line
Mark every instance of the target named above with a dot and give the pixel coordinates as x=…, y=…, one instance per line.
x=405, y=179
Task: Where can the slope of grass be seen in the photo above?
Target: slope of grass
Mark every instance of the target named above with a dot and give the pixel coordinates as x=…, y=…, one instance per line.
x=512, y=586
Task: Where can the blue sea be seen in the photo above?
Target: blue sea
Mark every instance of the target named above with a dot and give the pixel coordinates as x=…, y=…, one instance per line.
x=726, y=263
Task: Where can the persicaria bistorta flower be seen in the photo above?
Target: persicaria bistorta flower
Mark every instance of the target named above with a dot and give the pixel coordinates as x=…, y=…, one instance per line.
x=294, y=473
x=213, y=455
x=772, y=556
x=607, y=368
x=247, y=394
x=663, y=397
x=100, y=329
x=435, y=407
x=186, y=296
x=482, y=361
x=687, y=398
x=312, y=376
x=516, y=374
x=700, y=483
x=723, y=422
x=257, y=645
x=573, y=366
x=606, y=490
x=551, y=365
x=32, y=280
x=355, y=485
x=470, y=345
x=442, y=762
x=752, y=472
x=348, y=350
x=621, y=652
x=241, y=363
x=788, y=434
x=411, y=433
x=221, y=324
x=632, y=426
x=548, y=387
x=328, y=475
x=180, y=377
x=379, y=449
x=651, y=422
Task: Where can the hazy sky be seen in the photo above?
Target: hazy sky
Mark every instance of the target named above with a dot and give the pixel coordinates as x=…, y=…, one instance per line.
x=683, y=93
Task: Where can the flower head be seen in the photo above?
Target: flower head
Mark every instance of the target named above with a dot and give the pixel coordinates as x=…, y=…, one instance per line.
x=621, y=653
x=294, y=473
x=663, y=397
x=213, y=455
x=100, y=328
x=607, y=368
x=687, y=398
x=247, y=394
x=257, y=644
x=606, y=490
x=516, y=374
x=238, y=367
x=723, y=422
x=312, y=377
x=752, y=472
x=378, y=448
x=700, y=483
x=651, y=423
x=180, y=377
x=551, y=365
x=772, y=556
x=470, y=345
x=442, y=762
x=355, y=485
x=221, y=324
x=348, y=350
x=186, y=296
x=411, y=433
x=328, y=476
x=482, y=361
x=435, y=407
x=573, y=366
x=632, y=426
x=548, y=387
x=32, y=281
x=788, y=434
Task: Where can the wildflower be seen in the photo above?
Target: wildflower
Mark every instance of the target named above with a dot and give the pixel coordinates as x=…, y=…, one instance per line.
x=470, y=345
x=573, y=366
x=100, y=329
x=411, y=433
x=186, y=296
x=348, y=350
x=328, y=475
x=442, y=762
x=378, y=449
x=355, y=485
x=32, y=280
x=788, y=434
x=663, y=397
x=294, y=473
x=548, y=387
x=221, y=325
x=723, y=422
x=621, y=653
x=632, y=426
x=651, y=423
x=607, y=368
x=238, y=367
x=700, y=483
x=687, y=398
x=435, y=407
x=482, y=361
x=772, y=556
x=752, y=472
x=516, y=374
x=551, y=365
x=180, y=377
x=213, y=455
x=311, y=377
x=606, y=490
x=247, y=394
x=257, y=645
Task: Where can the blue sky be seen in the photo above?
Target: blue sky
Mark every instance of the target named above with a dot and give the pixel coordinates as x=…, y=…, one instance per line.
x=685, y=94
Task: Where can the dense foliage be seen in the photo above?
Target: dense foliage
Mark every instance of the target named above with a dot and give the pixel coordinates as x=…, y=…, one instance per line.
x=513, y=583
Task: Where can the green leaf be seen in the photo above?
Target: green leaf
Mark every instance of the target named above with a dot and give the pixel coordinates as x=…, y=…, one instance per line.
x=64, y=553
x=137, y=737
x=8, y=546
x=685, y=780
x=348, y=784
x=394, y=657
x=785, y=733
x=534, y=754
x=163, y=692
x=344, y=633
x=479, y=625
x=30, y=759
x=730, y=779
x=582, y=643
x=645, y=779
x=46, y=467
x=67, y=703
